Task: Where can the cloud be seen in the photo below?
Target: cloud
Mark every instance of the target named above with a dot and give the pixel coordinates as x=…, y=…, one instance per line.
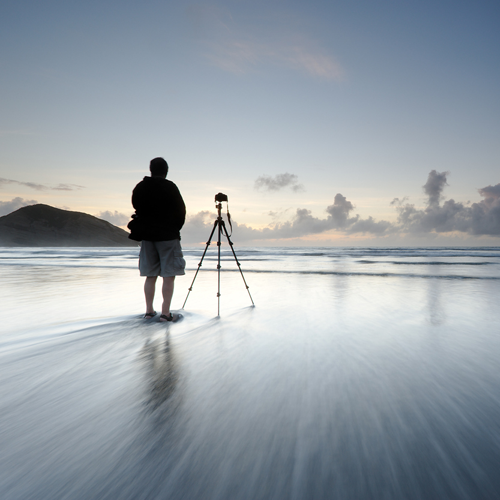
x=303, y=223
x=237, y=49
x=278, y=215
x=116, y=218
x=434, y=186
x=339, y=212
x=32, y=185
x=490, y=193
x=479, y=218
x=6, y=207
x=41, y=187
x=278, y=182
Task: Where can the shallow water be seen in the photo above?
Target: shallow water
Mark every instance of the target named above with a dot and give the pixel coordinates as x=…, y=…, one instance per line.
x=360, y=374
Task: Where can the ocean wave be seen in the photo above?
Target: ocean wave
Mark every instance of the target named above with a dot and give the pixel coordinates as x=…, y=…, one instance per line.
x=352, y=273
x=428, y=263
x=461, y=263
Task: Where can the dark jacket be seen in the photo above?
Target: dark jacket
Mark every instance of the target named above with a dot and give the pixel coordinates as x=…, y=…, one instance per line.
x=160, y=210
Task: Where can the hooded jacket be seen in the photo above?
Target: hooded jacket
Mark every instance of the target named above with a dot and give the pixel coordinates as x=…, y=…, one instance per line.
x=160, y=209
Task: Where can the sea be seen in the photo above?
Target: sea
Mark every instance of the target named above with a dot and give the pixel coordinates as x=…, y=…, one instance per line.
x=340, y=373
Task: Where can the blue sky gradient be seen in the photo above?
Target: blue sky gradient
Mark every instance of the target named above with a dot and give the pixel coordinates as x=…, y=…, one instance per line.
x=358, y=98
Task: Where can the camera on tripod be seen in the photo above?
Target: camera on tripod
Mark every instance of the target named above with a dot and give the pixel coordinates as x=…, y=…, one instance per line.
x=220, y=197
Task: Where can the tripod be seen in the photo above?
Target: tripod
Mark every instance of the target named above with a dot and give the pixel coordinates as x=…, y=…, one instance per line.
x=221, y=227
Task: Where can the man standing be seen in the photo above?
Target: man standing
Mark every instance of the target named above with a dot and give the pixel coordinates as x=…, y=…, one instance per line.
x=160, y=214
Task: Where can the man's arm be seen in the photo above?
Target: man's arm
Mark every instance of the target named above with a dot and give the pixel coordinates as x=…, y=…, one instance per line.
x=179, y=212
x=137, y=197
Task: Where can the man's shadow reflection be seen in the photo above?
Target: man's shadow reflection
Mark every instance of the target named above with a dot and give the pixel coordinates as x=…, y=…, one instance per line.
x=161, y=371
x=437, y=314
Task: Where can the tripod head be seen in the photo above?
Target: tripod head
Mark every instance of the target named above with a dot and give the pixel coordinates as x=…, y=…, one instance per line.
x=219, y=198
x=218, y=206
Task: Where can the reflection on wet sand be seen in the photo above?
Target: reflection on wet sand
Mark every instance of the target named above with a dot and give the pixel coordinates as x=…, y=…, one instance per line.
x=160, y=370
x=436, y=310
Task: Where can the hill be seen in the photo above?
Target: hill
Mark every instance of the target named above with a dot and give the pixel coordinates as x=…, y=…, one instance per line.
x=43, y=225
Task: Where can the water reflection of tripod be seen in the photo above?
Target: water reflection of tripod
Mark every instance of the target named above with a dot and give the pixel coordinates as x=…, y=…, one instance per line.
x=221, y=228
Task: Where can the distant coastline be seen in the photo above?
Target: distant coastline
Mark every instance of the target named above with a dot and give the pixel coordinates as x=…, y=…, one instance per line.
x=42, y=225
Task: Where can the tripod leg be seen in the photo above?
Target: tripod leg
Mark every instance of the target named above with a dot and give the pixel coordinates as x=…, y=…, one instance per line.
x=220, y=221
x=201, y=261
x=236, y=259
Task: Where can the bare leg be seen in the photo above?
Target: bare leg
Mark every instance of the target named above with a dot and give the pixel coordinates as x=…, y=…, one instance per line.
x=149, y=292
x=167, y=291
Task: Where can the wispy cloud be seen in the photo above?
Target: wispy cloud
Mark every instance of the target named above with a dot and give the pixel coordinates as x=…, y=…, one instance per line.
x=238, y=49
x=6, y=207
x=280, y=181
x=241, y=56
x=67, y=187
x=312, y=60
x=41, y=187
x=481, y=218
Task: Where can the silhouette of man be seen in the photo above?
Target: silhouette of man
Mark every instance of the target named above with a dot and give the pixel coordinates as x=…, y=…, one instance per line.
x=160, y=214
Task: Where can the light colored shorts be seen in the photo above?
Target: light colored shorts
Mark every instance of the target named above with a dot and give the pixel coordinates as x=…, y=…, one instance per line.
x=161, y=258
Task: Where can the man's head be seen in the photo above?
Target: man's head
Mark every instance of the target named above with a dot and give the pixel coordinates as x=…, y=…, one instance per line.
x=158, y=167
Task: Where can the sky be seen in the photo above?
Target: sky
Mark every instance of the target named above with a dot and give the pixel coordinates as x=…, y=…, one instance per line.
x=325, y=122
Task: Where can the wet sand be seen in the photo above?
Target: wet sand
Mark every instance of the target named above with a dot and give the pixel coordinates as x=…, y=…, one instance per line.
x=334, y=386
